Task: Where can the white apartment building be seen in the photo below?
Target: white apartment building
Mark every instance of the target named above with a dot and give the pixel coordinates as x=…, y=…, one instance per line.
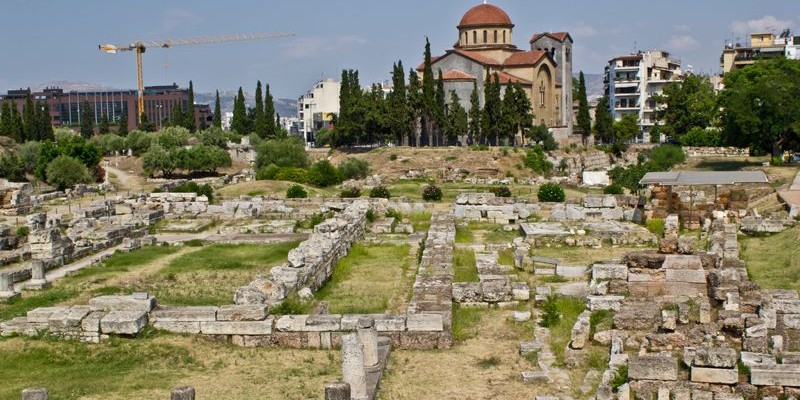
x=315, y=109
x=631, y=81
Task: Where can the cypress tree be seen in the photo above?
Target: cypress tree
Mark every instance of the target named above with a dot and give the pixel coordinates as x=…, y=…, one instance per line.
x=239, y=121
x=259, y=118
x=87, y=120
x=146, y=125
x=491, y=108
x=523, y=109
x=122, y=128
x=29, y=119
x=584, y=120
x=45, y=123
x=474, y=116
x=177, y=116
x=457, y=121
x=509, y=121
x=415, y=106
x=15, y=130
x=189, y=119
x=217, y=113
x=428, y=95
x=269, y=113
x=102, y=127
x=5, y=119
x=439, y=111
x=603, y=121
x=398, y=106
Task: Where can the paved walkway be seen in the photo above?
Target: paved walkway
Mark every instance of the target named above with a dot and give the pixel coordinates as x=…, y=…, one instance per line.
x=792, y=196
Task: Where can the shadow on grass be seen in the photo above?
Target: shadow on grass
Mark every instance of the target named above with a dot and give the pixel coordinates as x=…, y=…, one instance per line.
x=726, y=165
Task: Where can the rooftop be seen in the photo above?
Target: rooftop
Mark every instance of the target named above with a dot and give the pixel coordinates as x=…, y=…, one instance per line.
x=696, y=178
x=485, y=15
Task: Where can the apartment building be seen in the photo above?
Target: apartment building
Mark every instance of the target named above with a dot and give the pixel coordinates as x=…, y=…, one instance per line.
x=315, y=109
x=762, y=46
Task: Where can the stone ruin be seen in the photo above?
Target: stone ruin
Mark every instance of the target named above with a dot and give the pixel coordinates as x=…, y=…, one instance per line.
x=15, y=198
x=488, y=207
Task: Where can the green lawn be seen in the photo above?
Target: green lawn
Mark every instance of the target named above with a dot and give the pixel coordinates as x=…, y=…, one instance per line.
x=367, y=279
x=773, y=261
x=464, y=267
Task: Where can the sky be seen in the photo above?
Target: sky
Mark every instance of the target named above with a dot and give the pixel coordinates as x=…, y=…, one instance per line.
x=53, y=40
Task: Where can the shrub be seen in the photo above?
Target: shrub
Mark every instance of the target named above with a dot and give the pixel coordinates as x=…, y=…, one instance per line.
x=380, y=192
x=12, y=168
x=431, y=193
x=64, y=172
x=353, y=168
x=501, y=191
x=613, y=188
x=289, y=152
x=393, y=157
x=350, y=193
x=535, y=160
x=699, y=137
x=292, y=174
x=550, y=313
x=268, y=172
x=665, y=157
x=296, y=192
x=139, y=141
x=172, y=137
x=620, y=377
x=655, y=226
x=193, y=187
x=23, y=231
x=551, y=192
x=323, y=174
x=109, y=143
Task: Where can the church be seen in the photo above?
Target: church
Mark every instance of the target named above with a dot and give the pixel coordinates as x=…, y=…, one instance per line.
x=485, y=42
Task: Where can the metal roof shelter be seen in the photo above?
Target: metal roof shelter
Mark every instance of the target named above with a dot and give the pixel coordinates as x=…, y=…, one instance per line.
x=698, y=178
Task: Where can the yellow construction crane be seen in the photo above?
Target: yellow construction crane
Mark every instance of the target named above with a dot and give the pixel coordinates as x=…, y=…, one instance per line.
x=140, y=46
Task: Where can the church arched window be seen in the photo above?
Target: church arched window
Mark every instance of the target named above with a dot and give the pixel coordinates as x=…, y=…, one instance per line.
x=474, y=37
x=542, y=94
x=495, y=36
x=504, y=36
x=485, y=36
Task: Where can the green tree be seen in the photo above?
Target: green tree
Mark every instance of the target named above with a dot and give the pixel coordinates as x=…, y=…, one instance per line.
x=626, y=128
x=603, y=121
x=397, y=108
x=12, y=168
x=584, y=119
x=177, y=115
x=761, y=106
x=428, y=96
x=415, y=106
x=492, y=108
x=87, y=120
x=102, y=127
x=474, y=116
x=5, y=119
x=29, y=122
x=439, y=111
x=159, y=159
x=45, y=123
x=64, y=172
x=259, y=119
x=217, y=123
x=349, y=127
x=239, y=123
x=269, y=113
x=508, y=123
x=289, y=152
x=457, y=120
x=189, y=121
x=122, y=125
x=376, y=124
x=145, y=124
x=689, y=104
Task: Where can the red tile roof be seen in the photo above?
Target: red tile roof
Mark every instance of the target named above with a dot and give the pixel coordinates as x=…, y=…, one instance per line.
x=485, y=15
x=506, y=78
x=525, y=58
x=456, y=75
x=421, y=65
x=474, y=56
x=560, y=36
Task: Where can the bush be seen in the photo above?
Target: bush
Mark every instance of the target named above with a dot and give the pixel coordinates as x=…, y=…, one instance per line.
x=550, y=313
x=380, y=192
x=323, y=174
x=535, y=160
x=628, y=177
x=23, y=231
x=431, y=193
x=109, y=143
x=620, y=377
x=12, y=168
x=351, y=192
x=193, y=187
x=353, y=168
x=664, y=157
x=393, y=157
x=551, y=192
x=64, y=172
x=296, y=192
x=289, y=152
x=138, y=141
x=501, y=191
x=172, y=137
x=613, y=188
x=699, y=137
x=292, y=174
x=268, y=172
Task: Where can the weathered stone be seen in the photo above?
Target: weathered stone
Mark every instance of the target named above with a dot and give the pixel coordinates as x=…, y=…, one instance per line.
x=751, y=359
x=535, y=377
x=337, y=391
x=123, y=322
x=686, y=245
x=685, y=275
x=669, y=320
x=252, y=312
x=609, y=271
x=353, y=366
x=291, y=323
x=653, y=367
x=715, y=357
x=237, y=327
x=368, y=337
x=178, y=326
x=521, y=316
x=775, y=375
x=179, y=314
x=520, y=291
x=35, y=394
x=715, y=375
x=580, y=331
x=323, y=323
x=182, y=393
x=123, y=303
x=424, y=322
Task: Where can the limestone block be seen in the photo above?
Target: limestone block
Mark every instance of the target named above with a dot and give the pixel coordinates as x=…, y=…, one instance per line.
x=753, y=359
x=786, y=306
x=134, y=302
x=178, y=326
x=183, y=392
x=715, y=375
x=180, y=314
x=237, y=327
x=323, y=323
x=609, y=271
x=521, y=316
x=529, y=347
x=91, y=323
x=388, y=323
x=580, y=331
x=775, y=375
x=605, y=302
x=291, y=323
x=790, y=357
x=669, y=320
x=520, y=291
x=252, y=312
x=570, y=271
x=424, y=322
x=535, y=377
x=68, y=319
x=653, y=367
x=686, y=275
x=42, y=315
x=123, y=322
x=791, y=321
x=34, y=394
x=714, y=357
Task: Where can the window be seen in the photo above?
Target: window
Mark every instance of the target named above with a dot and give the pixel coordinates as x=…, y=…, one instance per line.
x=474, y=37
x=485, y=36
x=495, y=36
x=504, y=36
x=466, y=38
x=541, y=94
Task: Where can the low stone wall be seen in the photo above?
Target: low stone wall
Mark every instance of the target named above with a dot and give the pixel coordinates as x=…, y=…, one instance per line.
x=716, y=152
x=601, y=208
x=488, y=207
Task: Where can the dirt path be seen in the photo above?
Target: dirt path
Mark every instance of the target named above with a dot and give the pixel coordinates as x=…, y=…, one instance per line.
x=124, y=180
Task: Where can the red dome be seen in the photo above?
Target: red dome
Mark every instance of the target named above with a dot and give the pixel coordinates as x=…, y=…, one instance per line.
x=485, y=15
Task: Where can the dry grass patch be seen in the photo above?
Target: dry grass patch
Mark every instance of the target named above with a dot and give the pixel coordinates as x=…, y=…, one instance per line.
x=773, y=261
x=585, y=255
x=147, y=368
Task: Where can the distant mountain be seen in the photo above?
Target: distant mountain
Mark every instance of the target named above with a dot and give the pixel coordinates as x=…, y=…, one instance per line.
x=71, y=86
x=594, y=85
x=284, y=107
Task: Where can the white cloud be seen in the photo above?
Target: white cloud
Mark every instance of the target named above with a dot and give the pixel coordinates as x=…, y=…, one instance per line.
x=767, y=23
x=310, y=46
x=681, y=43
x=682, y=28
x=583, y=30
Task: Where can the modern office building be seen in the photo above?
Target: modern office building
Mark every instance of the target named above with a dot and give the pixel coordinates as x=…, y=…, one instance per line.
x=66, y=107
x=315, y=109
x=632, y=81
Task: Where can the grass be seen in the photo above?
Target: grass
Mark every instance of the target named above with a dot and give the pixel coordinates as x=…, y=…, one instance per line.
x=464, y=266
x=420, y=221
x=560, y=332
x=269, y=188
x=367, y=279
x=584, y=255
x=714, y=164
x=464, y=235
x=147, y=368
x=506, y=257
x=487, y=232
x=773, y=261
x=466, y=322
x=655, y=226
